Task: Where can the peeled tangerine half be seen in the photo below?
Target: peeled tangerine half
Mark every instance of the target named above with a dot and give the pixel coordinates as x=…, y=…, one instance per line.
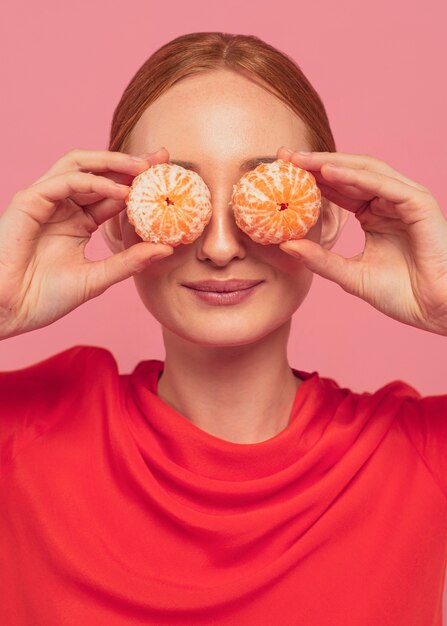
x=276, y=202
x=169, y=204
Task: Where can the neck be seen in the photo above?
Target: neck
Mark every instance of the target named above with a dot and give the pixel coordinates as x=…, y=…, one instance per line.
x=242, y=394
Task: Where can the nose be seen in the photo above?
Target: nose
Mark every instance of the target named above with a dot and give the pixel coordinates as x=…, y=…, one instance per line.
x=222, y=240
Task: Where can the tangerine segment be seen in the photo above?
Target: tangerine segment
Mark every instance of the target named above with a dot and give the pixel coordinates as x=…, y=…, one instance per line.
x=276, y=202
x=169, y=204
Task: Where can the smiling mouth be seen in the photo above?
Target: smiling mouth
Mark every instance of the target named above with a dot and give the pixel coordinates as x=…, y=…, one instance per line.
x=223, y=286
x=224, y=298
x=222, y=290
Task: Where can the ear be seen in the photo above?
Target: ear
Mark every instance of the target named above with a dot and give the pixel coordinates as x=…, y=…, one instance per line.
x=333, y=220
x=111, y=232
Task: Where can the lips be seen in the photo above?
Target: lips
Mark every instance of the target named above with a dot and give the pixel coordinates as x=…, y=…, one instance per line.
x=222, y=286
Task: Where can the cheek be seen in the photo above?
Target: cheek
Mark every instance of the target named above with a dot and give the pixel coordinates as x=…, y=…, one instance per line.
x=151, y=289
x=293, y=280
x=284, y=265
x=149, y=282
x=294, y=290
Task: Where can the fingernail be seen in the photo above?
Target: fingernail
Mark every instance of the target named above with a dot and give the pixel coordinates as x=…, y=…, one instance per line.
x=287, y=150
x=303, y=152
x=146, y=155
x=158, y=257
x=297, y=255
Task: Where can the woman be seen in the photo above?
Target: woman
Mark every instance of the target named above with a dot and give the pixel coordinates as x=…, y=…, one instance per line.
x=220, y=486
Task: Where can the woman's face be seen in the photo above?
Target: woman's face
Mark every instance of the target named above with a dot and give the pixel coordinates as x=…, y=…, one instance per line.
x=217, y=121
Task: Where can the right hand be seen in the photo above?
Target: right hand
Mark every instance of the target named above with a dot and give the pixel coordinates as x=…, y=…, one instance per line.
x=44, y=273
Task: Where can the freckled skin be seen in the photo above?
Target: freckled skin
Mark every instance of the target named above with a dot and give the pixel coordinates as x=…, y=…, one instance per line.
x=219, y=357
x=220, y=123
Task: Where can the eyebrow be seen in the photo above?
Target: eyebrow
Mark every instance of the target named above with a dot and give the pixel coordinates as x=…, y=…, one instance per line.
x=246, y=165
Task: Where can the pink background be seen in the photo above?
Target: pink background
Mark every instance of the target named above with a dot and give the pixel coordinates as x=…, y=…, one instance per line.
x=380, y=70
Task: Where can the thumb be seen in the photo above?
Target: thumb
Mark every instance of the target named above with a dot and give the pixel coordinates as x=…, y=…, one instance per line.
x=104, y=273
x=345, y=272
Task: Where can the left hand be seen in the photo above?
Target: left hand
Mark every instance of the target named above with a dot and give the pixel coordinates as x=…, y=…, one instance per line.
x=402, y=270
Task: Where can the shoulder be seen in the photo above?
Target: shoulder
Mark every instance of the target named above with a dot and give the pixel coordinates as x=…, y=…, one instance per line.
x=423, y=421
x=36, y=397
x=401, y=409
x=77, y=359
x=390, y=395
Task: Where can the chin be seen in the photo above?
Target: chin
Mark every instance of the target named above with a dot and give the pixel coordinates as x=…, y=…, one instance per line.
x=229, y=333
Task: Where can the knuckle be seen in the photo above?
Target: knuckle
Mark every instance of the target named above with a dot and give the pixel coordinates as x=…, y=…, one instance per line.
x=19, y=195
x=74, y=179
x=129, y=268
x=369, y=159
x=74, y=152
x=80, y=176
x=425, y=190
x=73, y=155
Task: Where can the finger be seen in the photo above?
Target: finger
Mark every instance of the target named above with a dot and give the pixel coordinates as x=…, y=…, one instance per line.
x=314, y=161
x=346, y=197
x=322, y=179
x=161, y=156
x=39, y=202
x=409, y=204
x=106, y=272
x=345, y=272
x=117, y=162
x=87, y=199
x=103, y=161
x=105, y=209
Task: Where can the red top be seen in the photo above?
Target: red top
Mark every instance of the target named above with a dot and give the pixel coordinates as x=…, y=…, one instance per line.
x=117, y=510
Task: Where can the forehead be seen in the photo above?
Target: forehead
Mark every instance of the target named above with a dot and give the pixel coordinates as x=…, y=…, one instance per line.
x=218, y=109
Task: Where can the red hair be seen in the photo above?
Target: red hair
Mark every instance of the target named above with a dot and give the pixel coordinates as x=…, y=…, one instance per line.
x=203, y=52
